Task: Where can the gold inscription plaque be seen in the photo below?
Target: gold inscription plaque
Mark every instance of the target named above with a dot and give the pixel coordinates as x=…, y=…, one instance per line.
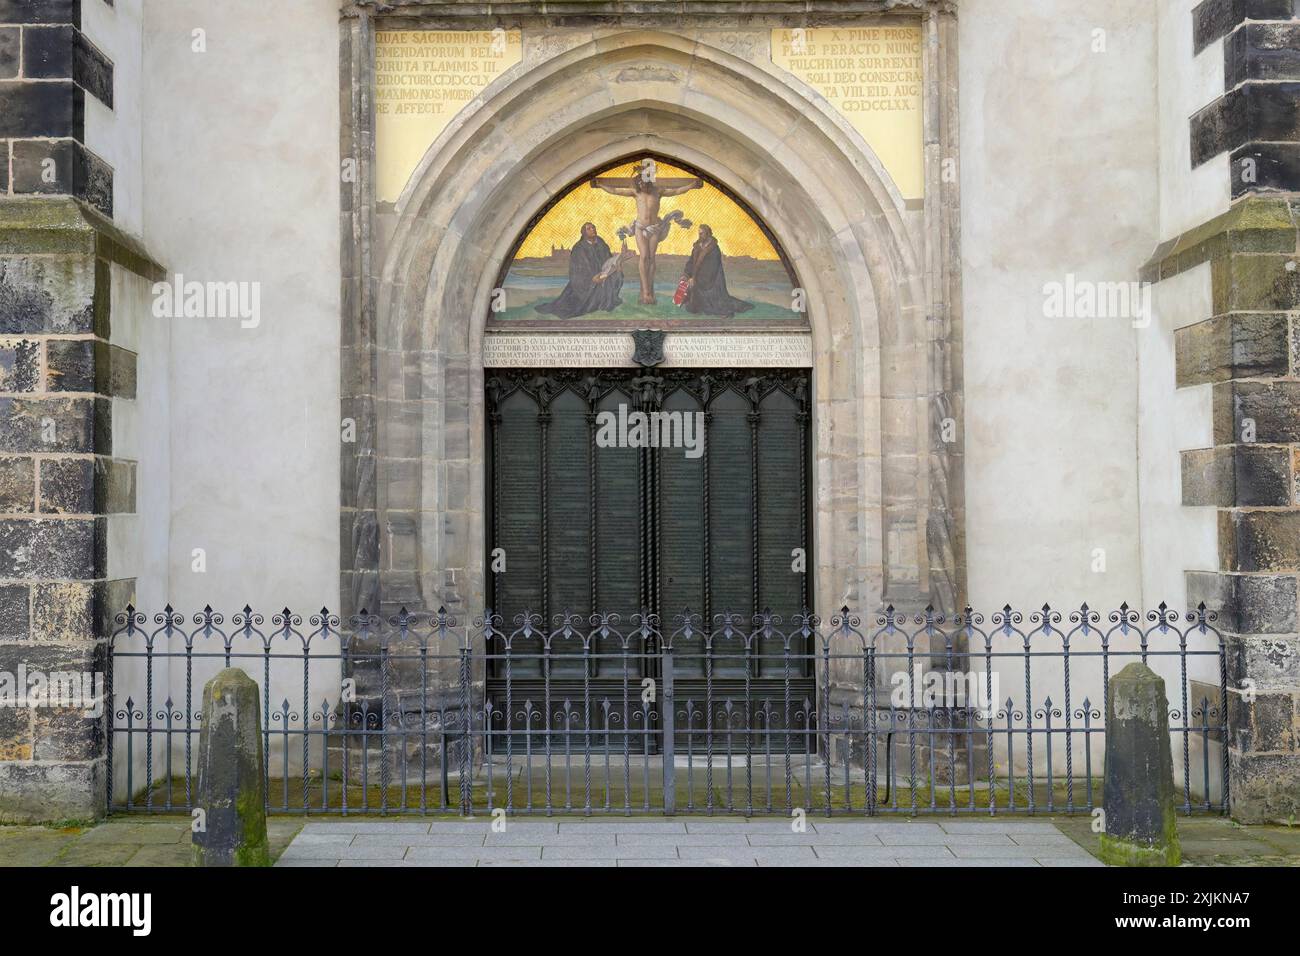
x=871, y=75
x=423, y=78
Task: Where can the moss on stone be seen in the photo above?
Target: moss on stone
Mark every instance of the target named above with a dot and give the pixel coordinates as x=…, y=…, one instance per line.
x=1117, y=852
x=1254, y=225
x=54, y=226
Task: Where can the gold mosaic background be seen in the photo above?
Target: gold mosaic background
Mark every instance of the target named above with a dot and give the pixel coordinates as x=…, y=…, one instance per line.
x=736, y=231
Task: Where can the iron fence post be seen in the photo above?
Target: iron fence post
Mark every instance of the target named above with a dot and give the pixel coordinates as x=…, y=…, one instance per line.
x=466, y=807
x=667, y=720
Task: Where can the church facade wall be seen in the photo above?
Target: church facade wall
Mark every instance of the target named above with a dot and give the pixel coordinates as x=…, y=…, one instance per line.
x=330, y=449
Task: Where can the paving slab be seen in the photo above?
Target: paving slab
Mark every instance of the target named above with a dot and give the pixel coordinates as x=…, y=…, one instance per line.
x=1020, y=852
x=968, y=864
x=421, y=839
x=367, y=826
x=1039, y=839
x=577, y=837
x=1067, y=861
x=350, y=852
x=687, y=863
x=866, y=853
x=878, y=828
x=165, y=854
x=331, y=839
x=742, y=825
x=839, y=838
x=97, y=854
x=434, y=854
x=666, y=851
x=948, y=839
x=684, y=839
x=564, y=864
x=623, y=826
x=1000, y=825
x=138, y=834
x=34, y=846
x=769, y=854
x=461, y=864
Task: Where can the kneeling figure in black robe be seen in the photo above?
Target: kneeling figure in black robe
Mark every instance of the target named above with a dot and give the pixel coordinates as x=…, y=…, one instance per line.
x=588, y=290
x=707, y=284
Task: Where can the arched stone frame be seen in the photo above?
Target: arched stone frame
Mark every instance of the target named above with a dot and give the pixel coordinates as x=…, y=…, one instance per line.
x=882, y=381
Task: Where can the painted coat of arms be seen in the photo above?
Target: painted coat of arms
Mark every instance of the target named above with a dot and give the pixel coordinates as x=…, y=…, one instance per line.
x=649, y=347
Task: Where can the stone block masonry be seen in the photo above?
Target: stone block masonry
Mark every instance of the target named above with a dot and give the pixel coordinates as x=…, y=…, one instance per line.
x=47, y=69
x=59, y=374
x=1248, y=352
x=59, y=482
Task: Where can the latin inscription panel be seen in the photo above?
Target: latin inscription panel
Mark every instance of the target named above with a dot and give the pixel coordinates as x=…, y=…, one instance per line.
x=614, y=350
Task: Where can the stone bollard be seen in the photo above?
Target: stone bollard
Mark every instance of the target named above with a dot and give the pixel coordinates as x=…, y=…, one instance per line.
x=231, y=791
x=1141, y=829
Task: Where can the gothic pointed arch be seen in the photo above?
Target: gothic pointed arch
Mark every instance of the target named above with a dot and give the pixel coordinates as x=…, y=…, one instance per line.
x=886, y=528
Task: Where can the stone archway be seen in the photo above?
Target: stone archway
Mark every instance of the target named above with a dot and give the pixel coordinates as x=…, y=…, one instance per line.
x=801, y=169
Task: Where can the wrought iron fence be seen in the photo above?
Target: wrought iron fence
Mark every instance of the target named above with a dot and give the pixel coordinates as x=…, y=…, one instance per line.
x=416, y=713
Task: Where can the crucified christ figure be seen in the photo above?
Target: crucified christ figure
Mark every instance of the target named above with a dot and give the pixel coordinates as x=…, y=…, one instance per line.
x=648, y=229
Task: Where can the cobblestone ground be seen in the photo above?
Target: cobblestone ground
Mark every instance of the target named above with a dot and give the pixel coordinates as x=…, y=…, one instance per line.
x=644, y=841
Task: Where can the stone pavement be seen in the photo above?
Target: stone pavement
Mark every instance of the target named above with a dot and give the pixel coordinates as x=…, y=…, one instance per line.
x=649, y=841
x=689, y=842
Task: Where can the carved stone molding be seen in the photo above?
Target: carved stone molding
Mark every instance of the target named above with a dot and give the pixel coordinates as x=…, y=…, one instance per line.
x=645, y=10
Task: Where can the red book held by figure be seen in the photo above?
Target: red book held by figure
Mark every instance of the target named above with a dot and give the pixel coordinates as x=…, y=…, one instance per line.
x=682, y=288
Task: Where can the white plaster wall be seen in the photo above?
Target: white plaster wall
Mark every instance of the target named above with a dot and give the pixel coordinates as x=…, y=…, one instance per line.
x=242, y=185
x=116, y=135
x=142, y=433
x=1174, y=538
x=138, y=542
x=1059, y=177
x=1188, y=197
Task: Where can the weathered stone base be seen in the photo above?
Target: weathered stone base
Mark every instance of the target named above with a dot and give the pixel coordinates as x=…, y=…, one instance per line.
x=1117, y=852
x=51, y=792
x=1265, y=787
x=231, y=791
x=942, y=759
